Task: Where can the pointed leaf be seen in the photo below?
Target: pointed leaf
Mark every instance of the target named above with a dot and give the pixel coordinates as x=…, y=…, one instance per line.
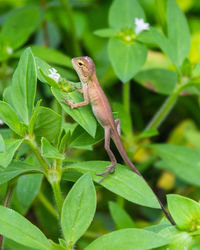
x=123, y=182
x=78, y=209
x=126, y=58
x=178, y=31
x=121, y=218
x=161, y=81
x=9, y=117
x=137, y=239
x=122, y=14
x=17, y=168
x=47, y=124
x=14, y=226
x=27, y=189
x=185, y=212
x=24, y=87
x=11, y=146
x=83, y=116
x=50, y=151
x=181, y=160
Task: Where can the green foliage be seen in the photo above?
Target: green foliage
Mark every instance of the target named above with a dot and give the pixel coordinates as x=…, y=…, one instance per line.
x=78, y=209
x=183, y=161
x=127, y=238
x=120, y=217
x=185, y=212
x=177, y=45
x=24, y=87
x=119, y=183
x=50, y=154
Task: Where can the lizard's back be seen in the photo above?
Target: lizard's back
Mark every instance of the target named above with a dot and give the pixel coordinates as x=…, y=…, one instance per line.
x=100, y=105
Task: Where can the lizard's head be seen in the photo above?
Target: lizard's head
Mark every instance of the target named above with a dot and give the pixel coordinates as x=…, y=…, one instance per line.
x=84, y=67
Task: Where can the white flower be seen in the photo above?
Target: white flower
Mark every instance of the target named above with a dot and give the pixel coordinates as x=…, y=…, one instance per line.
x=54, y=75
x=1, y=122
x=9, y=50
x=140, y=25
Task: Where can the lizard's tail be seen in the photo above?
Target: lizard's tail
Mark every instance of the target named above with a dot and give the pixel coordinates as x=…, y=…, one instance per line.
x=123, y=153
x=125, y=157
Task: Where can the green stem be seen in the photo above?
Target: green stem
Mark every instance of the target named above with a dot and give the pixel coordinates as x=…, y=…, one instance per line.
x=39, y=157
x=164, y=110
x=69, y=14
x=126, y=96
x=58, y=195
x=47, y=204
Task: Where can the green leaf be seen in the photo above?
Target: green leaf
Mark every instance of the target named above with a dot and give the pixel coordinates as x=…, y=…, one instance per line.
x=78, y=209
x=11, y=146
x=56, y=246
x=181, y=160
x=161, y=81
x=49, y=151
x=126, y=58
x=17, y=168
x=178, y=31
x=27, y=189
x=106, y=32
x=24, y=87
x=47, y=124
x=185, y=212
x=177, y=45
x=165, y=45
x=121, y=218
x=20, y=24
x=2, y=145
x=10, y=244
x=122, y=14
x=44, y=67
x=83, y=116
x=15, y=227
x=123, y=182
x=52, y=56
x=34, y=117
x=9, y=117
x=137, y=239
x=81, y=139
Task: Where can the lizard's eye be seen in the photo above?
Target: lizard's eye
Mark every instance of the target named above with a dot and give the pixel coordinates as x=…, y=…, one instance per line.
x=80, y=63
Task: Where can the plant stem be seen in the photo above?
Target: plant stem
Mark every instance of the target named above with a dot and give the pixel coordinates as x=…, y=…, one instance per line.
x=126, y=96
x=44, y=164
x=69, y=14
x=164, y=110
x=47, y=204
x=58, y=195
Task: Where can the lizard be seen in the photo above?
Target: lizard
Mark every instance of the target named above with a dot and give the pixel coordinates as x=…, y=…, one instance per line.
x=94, y=94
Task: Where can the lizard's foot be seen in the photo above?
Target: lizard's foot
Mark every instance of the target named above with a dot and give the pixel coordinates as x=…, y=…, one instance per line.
x=110, y=170
x=67, y=102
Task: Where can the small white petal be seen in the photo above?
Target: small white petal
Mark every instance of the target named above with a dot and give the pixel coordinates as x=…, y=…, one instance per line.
x=54, y=75
x=1, y=122
x=140, y=25
x=9, y=50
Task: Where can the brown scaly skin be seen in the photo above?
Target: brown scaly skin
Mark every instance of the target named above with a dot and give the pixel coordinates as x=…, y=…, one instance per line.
x=94, y=94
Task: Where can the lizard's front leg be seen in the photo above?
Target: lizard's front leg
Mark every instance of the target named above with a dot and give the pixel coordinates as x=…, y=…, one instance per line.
x=111, y=167
x=80, y=104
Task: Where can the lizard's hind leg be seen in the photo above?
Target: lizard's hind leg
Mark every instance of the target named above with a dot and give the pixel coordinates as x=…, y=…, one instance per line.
x=118, y=126
x=111, y=167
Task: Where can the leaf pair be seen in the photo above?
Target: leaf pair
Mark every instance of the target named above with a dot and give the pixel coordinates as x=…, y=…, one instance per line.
x=127, y=55
x=77, y=213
